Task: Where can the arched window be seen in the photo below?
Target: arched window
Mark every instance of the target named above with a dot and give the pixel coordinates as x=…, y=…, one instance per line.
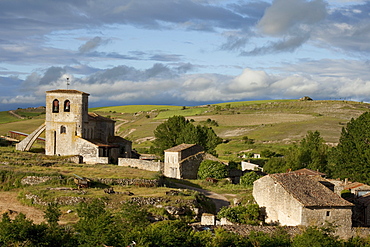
x=56, y=106
x=67, y=106
x=63, y=129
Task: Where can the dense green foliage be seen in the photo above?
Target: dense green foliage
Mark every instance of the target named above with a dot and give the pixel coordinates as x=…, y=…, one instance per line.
x=248, y=178
x=177, y=130
x=212, y=169
x=248, y=214
x=316, y=237
x=351, y=158
x=311, y=153
x=99, y=227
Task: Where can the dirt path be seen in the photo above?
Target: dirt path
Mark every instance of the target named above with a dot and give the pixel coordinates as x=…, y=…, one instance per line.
x=16, y=115
x=219, y=200
x=9, y=203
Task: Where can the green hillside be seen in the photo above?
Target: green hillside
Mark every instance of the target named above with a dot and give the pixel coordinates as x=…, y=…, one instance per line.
x=273, y=124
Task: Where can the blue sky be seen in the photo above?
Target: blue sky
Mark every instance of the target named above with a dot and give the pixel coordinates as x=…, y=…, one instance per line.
x=184, y=52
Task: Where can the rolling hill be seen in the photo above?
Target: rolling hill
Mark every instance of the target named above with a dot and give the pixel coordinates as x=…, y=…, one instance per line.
x=273, y=124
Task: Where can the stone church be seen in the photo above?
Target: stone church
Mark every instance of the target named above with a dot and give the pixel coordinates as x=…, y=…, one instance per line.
x=71, y=130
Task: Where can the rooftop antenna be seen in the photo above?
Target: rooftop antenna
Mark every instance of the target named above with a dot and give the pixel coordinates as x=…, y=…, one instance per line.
x=68, y=83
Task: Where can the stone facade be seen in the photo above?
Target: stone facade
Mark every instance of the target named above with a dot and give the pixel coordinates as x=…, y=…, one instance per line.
x=70, y=130
x=291, y=199
x=182, y=161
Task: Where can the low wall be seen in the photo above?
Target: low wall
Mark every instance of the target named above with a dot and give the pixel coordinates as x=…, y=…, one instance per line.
x=154, y=166
x=128, y=182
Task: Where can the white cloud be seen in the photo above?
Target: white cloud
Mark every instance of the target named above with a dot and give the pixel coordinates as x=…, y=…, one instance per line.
x=285, y=15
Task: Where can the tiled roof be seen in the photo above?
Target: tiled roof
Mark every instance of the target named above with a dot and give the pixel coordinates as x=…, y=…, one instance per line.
x=306, y=171
x=66, y=91
x=355, y=185
x=308, y=190
x=180, y=147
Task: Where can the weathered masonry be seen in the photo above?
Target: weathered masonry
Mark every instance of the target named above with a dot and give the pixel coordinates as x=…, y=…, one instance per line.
x=71, y=130
x=183, y=161
x=292, y=199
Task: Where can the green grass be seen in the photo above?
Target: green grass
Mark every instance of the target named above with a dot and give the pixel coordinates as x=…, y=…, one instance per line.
x=134, y=108
x=255, y=102
x=270, y=122
x=179, y=112
x=6, y=117
x=25, y=126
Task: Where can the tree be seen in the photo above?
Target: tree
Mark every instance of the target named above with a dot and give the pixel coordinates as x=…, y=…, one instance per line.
x=177, y=130
x=212, y=169
x=316, y=237
x=311, y=153
x=95, y=226
x=248, y=178
x=52, y=214
x=275, y=165
x=351, y=158
x=168, y=233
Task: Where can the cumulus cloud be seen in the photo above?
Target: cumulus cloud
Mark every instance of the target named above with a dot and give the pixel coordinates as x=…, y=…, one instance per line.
x=162, y=84
x=284, y=15
x=289, y=21
x=92, y=44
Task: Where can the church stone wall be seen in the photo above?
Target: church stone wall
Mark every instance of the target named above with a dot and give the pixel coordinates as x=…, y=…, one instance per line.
x=65, y=117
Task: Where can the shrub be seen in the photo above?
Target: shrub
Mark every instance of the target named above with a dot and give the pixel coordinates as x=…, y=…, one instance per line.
x=248, y=178
x=213, y=169
x=248, y=214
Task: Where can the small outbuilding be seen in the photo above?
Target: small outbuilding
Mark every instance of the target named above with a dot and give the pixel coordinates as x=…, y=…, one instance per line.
x=294, y=199
x=182, y=161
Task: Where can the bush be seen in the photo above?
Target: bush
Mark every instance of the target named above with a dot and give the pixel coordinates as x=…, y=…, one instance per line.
x=248, y=178
x=248, y=214
x=213, y=169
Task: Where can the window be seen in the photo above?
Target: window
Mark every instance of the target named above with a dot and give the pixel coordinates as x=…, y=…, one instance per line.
x=67, y=106
x=327, y=213
x=55, y=106
x=63, y=129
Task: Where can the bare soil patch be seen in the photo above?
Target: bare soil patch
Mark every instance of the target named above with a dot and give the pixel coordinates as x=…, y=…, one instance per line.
x=10, y=204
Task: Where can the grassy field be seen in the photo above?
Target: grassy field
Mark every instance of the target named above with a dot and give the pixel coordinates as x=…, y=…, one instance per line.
x=135, y=108
x=273, y=124
x=6, y=117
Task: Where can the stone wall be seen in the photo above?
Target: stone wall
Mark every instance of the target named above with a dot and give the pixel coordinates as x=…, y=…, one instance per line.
x=339, y=216
x=155, y=166
x=33, y=180
x=128, y=182
x=189, y=167
x=268, y=194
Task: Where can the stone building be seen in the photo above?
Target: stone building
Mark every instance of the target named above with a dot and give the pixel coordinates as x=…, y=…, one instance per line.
x=71, y=130
x=292, y=199
x=182, y=161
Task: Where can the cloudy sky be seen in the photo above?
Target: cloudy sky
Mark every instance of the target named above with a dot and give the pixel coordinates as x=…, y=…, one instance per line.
x=184, y=52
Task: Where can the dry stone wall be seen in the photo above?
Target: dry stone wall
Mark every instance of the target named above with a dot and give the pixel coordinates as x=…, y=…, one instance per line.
x=154, y=166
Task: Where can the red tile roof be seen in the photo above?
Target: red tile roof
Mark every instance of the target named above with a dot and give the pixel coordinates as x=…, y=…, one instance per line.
x=66, y=91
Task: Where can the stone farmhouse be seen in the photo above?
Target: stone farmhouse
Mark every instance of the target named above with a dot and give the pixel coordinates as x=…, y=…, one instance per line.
x=182, y=161
x=294, y=199
x=71, y=130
